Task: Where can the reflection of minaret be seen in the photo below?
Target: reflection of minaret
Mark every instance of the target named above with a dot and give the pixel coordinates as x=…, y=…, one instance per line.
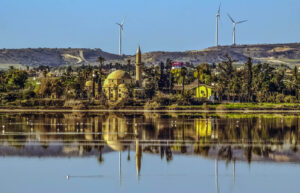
x=233, y=172
x=138, y=157
x=138, y=67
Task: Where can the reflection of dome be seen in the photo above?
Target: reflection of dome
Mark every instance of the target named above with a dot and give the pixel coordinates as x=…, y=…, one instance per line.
x=89, y=83
x=115, y=130
x=116, y=145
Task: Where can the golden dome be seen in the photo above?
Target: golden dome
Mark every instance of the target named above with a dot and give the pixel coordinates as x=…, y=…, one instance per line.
x=118, y=74
x=122, y=86
x=112, y=78
x=89, y=83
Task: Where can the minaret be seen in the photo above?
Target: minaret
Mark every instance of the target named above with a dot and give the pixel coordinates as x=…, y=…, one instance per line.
x=138, y=67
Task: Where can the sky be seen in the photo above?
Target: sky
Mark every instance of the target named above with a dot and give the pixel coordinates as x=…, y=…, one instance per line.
x=157, y=25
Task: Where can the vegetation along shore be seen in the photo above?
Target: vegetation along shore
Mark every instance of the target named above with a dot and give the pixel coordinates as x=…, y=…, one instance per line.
x=167, y=85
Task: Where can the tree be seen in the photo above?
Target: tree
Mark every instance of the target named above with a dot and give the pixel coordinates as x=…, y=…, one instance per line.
x=170, y=82
x=295, y=82
x=50, y=86
x=161, y=80
x=202, y=73
x=261, y=82
x=248, y=79
x=225, y=76
x=183, y=74
x=16, y=78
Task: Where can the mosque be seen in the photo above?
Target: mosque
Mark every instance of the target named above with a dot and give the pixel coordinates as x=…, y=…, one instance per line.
x=116, y=85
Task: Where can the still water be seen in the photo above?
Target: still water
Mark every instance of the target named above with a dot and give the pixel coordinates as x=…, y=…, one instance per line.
x=149, y=152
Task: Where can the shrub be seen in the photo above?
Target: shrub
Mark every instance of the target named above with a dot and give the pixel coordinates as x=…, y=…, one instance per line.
x=163, y=99
x=174, y=107
x=289, y=99
x=75, y=104
x=221, y=107
x=270, y=98
x=184, y=99
x=28, y=94
x=27, y=103
x=10, y=97
x=151, y=105
x=279, y=98
x=197, y=101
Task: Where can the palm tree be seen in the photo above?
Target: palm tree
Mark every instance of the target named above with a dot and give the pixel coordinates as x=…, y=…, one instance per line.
x=168, y=71
x=296, y=82
x=101, y=61
x=226, y=73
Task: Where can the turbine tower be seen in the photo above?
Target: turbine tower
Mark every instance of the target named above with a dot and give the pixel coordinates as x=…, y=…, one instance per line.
x=234, y=24
x=217, y=25
x=120, y=36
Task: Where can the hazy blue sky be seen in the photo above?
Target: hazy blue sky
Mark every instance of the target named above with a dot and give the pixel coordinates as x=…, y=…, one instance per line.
x=171, y=25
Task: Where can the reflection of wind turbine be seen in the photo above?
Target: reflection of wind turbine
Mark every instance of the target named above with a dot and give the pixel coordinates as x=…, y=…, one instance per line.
x=217, y=25
x=234, y=24
x=120, y=168
x=217, y=175
x=120, y=36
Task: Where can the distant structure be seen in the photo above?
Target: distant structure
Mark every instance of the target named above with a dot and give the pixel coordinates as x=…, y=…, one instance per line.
x=177, y=65
x=120, y=36
x=234, y=24
x=217, y=25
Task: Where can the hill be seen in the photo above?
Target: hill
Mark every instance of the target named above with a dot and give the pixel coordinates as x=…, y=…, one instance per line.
x=52, y=56
x=288, y=54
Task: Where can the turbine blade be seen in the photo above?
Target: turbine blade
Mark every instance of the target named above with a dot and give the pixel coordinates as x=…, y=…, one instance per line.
x=231, y=18
x=118, y=24
x=241, y=21
x=219, y=10
x=123, y=21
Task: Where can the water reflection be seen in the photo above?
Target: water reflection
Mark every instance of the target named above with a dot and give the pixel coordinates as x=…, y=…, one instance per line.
x=224, y=139
x=245, y=137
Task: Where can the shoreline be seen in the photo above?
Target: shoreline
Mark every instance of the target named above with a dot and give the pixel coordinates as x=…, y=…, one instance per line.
x=266, y=111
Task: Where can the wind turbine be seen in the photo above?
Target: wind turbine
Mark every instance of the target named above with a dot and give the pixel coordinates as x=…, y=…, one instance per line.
x=217, y=25
x=120, y=36
x=234, y=24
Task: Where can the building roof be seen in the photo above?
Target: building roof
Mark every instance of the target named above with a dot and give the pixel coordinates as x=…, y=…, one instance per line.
x=122, y=86
x=118, y=74
x=115, y=75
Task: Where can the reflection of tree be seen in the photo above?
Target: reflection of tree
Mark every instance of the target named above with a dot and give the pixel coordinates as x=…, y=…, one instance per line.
x=225, y=152
x=165, y=149
x=249, y=135
x=248, y=153
x=202, y=149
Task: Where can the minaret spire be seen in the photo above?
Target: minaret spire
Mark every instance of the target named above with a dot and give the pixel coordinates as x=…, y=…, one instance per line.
x=138, y=66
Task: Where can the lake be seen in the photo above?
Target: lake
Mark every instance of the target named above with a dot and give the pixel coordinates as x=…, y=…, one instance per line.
x=149, y=152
